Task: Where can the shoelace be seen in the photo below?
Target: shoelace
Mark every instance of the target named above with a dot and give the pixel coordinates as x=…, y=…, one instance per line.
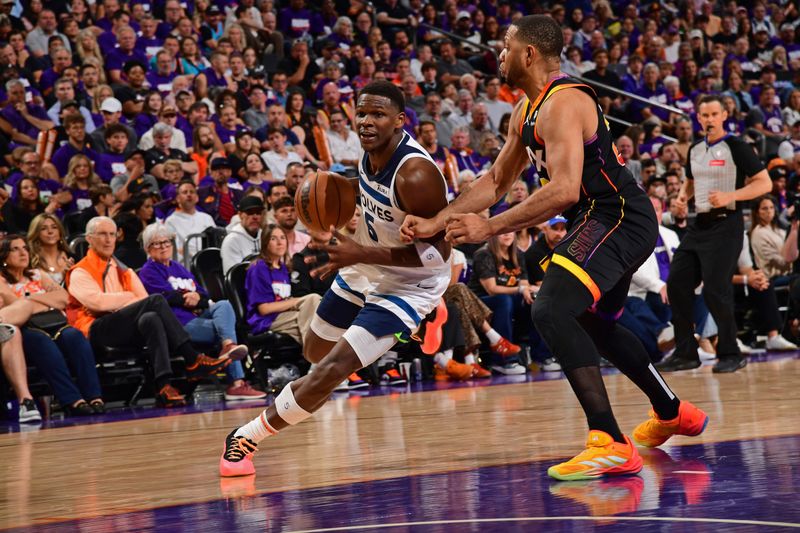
x=243, y=448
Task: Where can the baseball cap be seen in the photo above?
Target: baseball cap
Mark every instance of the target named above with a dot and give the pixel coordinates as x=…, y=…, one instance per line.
x=695, y=34
x=213, y=10
x=778, y=172
x=251, y=203
x=787, y=26
x=70, y=103
x=705, y=73
x=242, y=133
x=558, y=219
x=111, y=105
x=777, y=162
x=134, y=154
x=463, y=14
x=220, y=162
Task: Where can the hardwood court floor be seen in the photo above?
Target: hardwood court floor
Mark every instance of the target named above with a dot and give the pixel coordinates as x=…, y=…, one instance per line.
x=83, y=472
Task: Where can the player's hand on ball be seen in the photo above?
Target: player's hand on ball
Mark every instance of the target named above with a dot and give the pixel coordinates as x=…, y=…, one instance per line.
x=467, y=227
x=418, y=228
x=342, y=251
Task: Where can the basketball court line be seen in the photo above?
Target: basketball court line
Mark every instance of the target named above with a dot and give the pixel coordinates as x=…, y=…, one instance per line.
x=529, y=519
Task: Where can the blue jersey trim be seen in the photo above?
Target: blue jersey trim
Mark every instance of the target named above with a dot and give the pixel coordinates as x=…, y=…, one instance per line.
x=345, y=287
x=375, y=194
x=402, y=304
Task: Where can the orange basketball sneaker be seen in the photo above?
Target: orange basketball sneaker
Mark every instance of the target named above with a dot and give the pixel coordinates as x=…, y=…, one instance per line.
x=433, y=330
x=602, y=458
x=237, y=456
x=690, y=421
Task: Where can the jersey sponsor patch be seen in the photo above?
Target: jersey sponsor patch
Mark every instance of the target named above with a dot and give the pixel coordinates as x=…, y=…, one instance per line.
x=716, y=163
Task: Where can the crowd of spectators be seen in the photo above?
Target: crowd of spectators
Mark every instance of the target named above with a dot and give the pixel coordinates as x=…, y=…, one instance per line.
x=137, y=124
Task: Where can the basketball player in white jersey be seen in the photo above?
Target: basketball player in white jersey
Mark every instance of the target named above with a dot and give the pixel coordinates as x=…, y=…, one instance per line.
x=384, y=287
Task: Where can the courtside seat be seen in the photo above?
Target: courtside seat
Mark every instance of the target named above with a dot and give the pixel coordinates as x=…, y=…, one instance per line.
x=207, y=268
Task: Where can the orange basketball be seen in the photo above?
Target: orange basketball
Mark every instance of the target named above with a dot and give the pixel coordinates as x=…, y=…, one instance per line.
x=325, y=199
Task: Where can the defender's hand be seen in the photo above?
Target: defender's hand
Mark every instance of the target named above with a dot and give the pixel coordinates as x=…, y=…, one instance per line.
x=467, y=227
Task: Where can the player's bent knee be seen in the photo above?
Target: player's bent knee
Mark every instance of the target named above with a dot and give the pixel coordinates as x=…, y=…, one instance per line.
x=315, y=348
x=335, y=366
x=367, y=347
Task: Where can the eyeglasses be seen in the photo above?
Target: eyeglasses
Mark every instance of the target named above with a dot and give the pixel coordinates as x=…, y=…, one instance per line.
x=161, y=244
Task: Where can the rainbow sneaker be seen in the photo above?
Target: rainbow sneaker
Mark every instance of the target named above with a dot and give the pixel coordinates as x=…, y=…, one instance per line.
x=237, y=456
x=602, y=458
x=690, y=421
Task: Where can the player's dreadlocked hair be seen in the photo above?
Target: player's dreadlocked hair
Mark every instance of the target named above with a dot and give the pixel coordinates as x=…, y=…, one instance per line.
x=543, y=32
x=387, y=89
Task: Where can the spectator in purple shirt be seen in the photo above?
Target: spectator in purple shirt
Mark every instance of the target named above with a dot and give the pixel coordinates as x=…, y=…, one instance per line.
x=214, y=78
x=653, y=90
x=116, y=59
x=112, y=161
x=297, y=21
x=268, y=285
x=147, y=42
x=161, y=78
x=206, y=322
x=62, y=59
x=26, y=118
x=79, y=180
x=75, y=126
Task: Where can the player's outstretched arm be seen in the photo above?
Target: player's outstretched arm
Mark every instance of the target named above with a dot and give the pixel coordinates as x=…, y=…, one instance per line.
x=562, y=121
x=421, y=191
x=484, y=192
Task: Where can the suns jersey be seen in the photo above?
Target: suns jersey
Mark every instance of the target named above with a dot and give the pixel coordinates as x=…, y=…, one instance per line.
x=605, y=180
x=381, y=215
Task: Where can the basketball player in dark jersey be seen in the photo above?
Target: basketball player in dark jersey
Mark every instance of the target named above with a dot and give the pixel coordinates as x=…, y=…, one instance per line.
x=560, y=128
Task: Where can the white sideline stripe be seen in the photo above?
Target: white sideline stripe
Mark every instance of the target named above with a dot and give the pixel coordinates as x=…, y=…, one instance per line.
x=557, y=518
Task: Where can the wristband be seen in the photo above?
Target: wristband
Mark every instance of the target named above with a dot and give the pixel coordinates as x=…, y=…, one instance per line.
x=521, y=289
x=429, y=255
x=745, y=280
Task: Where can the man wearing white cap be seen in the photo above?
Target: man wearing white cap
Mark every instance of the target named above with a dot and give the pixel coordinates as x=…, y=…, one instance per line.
x=111, y=109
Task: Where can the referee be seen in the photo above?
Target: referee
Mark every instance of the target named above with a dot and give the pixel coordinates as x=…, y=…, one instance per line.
x=722, y=171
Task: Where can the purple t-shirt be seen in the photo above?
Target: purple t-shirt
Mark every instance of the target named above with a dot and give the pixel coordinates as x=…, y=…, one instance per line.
x=169, y=280
x=14, y=118
x=265, y=285
x=47, y=187
x=213, y=79
x=109, y=165
x=162, y=84
x=116, y=59
x=80, y=200
x=62, y=156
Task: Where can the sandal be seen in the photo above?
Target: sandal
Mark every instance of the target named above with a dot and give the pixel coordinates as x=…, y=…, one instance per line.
x=98, y=406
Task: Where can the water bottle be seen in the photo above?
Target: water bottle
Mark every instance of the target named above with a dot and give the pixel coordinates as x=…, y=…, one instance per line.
x=417, y=369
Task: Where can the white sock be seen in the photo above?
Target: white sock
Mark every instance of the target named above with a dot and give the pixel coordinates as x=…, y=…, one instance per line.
x=257, y=429
x=493, y=336
x=442, y=358
x=469, y=359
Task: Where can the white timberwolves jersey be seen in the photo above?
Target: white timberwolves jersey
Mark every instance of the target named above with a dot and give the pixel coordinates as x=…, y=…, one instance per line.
x=381, y=216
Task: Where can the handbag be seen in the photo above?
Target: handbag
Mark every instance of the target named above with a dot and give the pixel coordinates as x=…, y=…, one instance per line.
x=48, y=321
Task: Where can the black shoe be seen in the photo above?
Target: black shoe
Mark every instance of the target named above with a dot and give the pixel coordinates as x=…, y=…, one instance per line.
x=675, y=364
x=729, y=364
x=82, y=409
x=98, y=406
